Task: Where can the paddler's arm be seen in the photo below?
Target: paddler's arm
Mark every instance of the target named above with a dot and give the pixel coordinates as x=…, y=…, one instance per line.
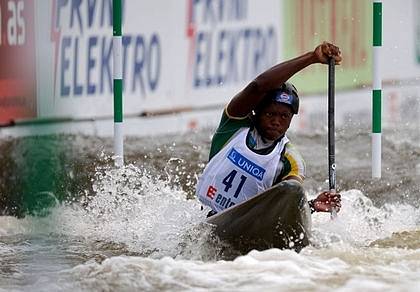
x=245, y=101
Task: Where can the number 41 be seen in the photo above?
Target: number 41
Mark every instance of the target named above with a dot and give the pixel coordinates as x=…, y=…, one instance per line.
x=228, y=180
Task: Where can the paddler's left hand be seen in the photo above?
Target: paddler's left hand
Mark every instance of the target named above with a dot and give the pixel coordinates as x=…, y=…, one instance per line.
x=327, y=201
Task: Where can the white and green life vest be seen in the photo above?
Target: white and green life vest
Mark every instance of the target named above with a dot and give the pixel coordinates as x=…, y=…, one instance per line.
x=236, y=173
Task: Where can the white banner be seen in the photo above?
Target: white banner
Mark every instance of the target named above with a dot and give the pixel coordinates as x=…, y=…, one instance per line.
x=176, y=54
x=189, y=54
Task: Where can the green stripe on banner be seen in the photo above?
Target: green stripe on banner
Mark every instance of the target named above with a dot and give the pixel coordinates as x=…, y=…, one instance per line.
x=116, y=17
x=377, y=24
x=376, y=111
x=118, y=106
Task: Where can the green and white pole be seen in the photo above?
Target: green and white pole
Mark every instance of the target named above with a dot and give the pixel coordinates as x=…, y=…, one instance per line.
x=118, y=83
x=377, y=91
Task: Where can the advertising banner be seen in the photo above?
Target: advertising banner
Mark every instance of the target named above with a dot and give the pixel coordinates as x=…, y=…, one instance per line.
x=400, y=38
x=348, y=24
x=176, y=54
x=56, y=58
x=17, y=60
x=230, y=43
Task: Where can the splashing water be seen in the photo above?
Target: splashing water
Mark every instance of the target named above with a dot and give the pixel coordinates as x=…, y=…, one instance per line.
x=131, y=207
x=360, y=222
x=139, y=228
x=154, y=219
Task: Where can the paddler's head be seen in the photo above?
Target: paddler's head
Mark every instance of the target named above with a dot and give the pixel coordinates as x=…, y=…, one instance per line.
x=275, y=112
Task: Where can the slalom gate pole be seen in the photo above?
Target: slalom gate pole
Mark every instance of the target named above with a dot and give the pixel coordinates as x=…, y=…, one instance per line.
x=377, y=91
x=118, y=83
x=331, y=130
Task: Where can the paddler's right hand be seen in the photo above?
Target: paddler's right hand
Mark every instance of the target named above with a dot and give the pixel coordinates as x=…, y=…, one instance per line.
x=325, y=51
x=327, y=201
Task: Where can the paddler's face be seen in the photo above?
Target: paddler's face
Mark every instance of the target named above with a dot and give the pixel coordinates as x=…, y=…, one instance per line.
x=274, y=120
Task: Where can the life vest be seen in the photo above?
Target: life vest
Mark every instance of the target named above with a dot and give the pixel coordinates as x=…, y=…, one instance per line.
x=236, y=173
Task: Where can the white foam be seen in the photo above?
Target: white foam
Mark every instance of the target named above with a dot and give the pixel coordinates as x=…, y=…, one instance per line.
x=359, y=222
x=148, y=216
x=152, y=218
x=133, y=208
x=10, y=225
x=269, y=269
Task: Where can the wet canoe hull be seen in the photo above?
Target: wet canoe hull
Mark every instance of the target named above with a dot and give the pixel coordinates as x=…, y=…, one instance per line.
x=279, y=218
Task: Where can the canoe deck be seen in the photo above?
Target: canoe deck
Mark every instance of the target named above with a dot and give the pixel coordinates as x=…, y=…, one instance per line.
x=277, y=218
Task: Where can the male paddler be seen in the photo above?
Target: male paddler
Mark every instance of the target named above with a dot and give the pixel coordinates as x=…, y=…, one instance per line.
x=250, y=151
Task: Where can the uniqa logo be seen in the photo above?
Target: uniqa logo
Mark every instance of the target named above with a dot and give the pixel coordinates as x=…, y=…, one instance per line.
x=245, y=164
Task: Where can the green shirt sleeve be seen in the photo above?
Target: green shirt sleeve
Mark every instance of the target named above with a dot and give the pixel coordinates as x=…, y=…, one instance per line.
x=228, y=126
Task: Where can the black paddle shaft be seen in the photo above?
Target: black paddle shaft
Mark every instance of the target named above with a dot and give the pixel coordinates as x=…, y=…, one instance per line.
x=331, y=124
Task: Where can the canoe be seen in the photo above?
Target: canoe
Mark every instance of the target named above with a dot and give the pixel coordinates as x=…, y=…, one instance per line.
x=277, y=218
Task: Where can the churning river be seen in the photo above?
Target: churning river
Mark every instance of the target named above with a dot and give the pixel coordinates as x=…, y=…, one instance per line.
x=72, y=222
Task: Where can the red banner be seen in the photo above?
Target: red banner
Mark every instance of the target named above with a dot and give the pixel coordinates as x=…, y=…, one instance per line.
x=17, y=60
